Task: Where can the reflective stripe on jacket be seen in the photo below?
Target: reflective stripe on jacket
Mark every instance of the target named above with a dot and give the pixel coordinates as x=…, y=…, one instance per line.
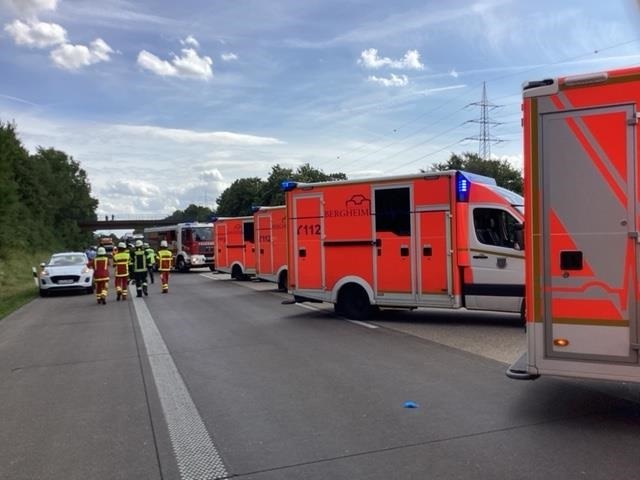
x=139, y=261
x=121, y=263
x=165, y=257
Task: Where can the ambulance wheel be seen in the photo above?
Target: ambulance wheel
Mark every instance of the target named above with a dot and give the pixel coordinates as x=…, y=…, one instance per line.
x=353, y=303
x=283, y=281
x=212, y=268
x=236, y=272
x=44, y=293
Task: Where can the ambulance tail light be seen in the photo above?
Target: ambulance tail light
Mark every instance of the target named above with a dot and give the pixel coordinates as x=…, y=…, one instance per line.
x=288, y=185
x=463, y=185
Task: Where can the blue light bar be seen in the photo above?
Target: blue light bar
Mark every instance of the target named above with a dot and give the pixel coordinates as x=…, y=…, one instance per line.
x=288, y=185
x=255, y=208
x=463, y=185
x=214, y=219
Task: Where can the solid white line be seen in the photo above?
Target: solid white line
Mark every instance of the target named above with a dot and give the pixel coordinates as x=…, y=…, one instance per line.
x=308, y=307
x=195, y=453
x=209, y=276
x=363, y=324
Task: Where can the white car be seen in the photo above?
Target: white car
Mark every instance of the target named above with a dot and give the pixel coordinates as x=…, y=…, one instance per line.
x=65, y=272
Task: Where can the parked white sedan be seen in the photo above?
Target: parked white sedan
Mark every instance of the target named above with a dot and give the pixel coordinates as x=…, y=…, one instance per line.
x=65, y=272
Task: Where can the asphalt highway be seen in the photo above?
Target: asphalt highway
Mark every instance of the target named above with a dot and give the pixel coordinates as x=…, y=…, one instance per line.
x=219, y=379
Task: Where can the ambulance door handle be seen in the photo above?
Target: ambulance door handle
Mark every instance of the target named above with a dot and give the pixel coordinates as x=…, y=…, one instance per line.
x=481, y=256
x=427, y=251
x=302, y=252
x=404, y=251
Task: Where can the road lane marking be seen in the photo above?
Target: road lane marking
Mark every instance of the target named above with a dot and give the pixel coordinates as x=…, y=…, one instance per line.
x=363, y=324
x=196, y=455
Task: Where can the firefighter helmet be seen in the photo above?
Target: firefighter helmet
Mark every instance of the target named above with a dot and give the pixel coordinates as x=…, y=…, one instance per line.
x=138, y=243
x=163, y=243
x=101, y=251
x=122, y=245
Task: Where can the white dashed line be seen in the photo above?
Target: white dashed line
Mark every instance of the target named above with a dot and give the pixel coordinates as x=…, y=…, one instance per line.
x=196, y=455
x=363, y=324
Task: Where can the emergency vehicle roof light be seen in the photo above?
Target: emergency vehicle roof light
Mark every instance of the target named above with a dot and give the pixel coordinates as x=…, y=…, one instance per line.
x=214, y=219
x=462, y=187
x=586, y=79
x=287, y=185
x=255, y=208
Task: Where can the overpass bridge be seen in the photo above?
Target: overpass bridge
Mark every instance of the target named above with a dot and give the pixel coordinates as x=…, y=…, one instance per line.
x=124, y=222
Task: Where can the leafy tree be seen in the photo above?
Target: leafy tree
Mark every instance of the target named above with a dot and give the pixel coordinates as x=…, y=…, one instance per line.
x=272, y=194
x=505, y=175
x=237, y=200
x=244, y=193
x=43, y=197
x=193, y=213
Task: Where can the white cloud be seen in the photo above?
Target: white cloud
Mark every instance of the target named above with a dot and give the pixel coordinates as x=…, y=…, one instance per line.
x=411, y=61
x=212, y=175
x=74, y=57
x=29, y=7
x=227, y=57
x=36, y=34
x=392, y=81
x=190, y=40
x=127, y=188
x=190, y=136
x=190, y=64
x=453, y=73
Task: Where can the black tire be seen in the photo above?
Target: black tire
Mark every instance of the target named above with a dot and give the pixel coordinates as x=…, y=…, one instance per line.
x=44, y=293
x=236, y=273
x=88, y=290
x=212, y=268
x=181, y=266
x=283, y=281
x=353, y=303
x=523, y=318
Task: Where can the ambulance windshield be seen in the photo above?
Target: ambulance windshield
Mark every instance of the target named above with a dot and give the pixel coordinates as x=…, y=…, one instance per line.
x=514, y=199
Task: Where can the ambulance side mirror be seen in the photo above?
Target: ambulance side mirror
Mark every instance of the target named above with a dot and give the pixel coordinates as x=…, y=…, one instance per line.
x=519, y=236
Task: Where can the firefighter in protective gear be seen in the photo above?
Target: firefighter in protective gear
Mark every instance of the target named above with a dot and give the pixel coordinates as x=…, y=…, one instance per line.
x=121, y=269
x=138, y=264
x=165, y=259
x=151, y=259
x=101, y=275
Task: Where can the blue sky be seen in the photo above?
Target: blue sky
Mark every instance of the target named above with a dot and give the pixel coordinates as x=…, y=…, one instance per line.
x=165, y=103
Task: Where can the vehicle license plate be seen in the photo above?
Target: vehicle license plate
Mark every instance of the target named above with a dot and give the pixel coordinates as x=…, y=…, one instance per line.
x=65, y=281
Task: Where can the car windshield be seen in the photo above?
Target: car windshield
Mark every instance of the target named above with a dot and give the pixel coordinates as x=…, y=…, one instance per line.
x=67, y=260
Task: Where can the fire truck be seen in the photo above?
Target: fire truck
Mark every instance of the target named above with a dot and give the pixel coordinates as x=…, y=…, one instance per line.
x=270, y=225
x=445, y=239
x=582, y=227
x=190, y=242
x=235, y=247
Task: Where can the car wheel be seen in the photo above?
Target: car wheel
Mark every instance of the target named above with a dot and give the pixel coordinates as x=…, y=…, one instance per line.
x=44, y=293
x=283, y=281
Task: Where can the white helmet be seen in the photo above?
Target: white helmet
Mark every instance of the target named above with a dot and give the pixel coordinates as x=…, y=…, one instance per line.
x=101, y=251
x=138, y=243
x=122, y=245
x=163, y=243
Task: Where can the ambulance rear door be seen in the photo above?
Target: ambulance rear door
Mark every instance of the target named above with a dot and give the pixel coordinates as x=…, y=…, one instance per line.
x=589, y=231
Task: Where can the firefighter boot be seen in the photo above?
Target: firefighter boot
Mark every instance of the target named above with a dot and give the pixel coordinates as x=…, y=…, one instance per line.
x=138, y=292
x=144, y=290
x=118, y=294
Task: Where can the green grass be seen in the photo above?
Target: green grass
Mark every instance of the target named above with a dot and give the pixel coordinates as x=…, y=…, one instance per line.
x=17, y=286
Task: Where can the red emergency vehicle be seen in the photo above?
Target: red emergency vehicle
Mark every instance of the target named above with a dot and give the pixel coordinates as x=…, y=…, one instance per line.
x=444, y=239
x=270, y=225
x=582, y=222
x=191, y=243
x=235, y=247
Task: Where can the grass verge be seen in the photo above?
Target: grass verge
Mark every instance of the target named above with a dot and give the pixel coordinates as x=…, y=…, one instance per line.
x=17, y=286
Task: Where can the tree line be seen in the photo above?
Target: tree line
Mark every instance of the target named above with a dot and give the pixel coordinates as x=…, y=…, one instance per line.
x=42, y=198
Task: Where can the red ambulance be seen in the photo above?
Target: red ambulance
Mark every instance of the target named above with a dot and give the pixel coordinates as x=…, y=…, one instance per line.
x=270, y=224
x=235, y=248
x=582, y=223
x=442, y=239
